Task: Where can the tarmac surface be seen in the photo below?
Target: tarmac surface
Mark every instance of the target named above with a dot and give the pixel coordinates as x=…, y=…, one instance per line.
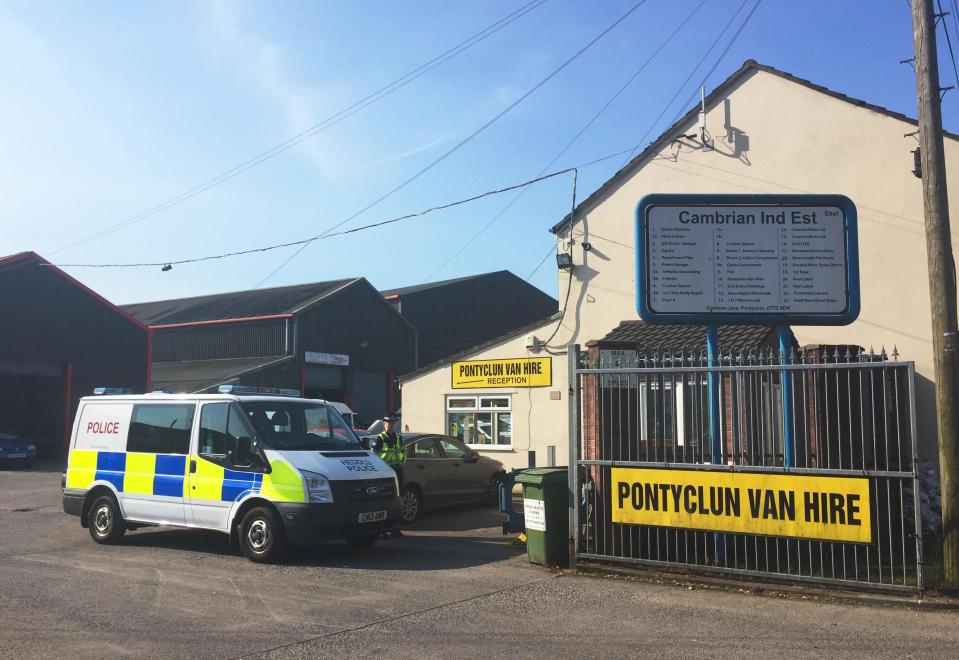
x=452, y=587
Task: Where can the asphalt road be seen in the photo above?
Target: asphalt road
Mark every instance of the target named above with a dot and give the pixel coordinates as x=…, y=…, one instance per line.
x=452, y=587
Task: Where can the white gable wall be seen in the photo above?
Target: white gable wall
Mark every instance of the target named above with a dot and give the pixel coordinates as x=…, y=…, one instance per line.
x=799, y=141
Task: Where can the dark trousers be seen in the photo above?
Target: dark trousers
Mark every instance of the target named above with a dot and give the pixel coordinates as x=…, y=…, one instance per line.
x=398, y=469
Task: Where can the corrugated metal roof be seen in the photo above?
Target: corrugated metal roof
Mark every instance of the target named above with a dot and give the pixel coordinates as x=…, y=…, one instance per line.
x=198, y=375
x=406, y=290
x=677, y=336
x=748, y=67
x=235, y=305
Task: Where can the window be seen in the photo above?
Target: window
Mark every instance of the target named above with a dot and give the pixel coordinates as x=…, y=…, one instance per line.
x=453, y=449
x=425, y=448
x=299, y=426
x=161, y=428
x=220, y=426
x=480, y=420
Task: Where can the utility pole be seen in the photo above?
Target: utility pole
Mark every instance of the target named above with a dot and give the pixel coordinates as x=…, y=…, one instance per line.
x=942, y=278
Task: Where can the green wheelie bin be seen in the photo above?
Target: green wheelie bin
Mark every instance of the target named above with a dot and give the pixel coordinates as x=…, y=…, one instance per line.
x=546, y=510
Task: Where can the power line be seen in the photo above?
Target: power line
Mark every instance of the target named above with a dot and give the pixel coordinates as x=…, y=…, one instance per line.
x=516, y=293
x=719, y=59
x=326, y=123
x=684, y=83
x=306, y=241
x=475, y=331
x=945, y=29
x=466, y=140
x=570, y=143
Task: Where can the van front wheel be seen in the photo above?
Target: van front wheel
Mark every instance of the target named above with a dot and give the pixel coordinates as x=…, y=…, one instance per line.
x=104, y=520
x=262, y=537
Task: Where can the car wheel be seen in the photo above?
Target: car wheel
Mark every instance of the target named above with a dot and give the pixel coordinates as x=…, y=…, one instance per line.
x=364, y=541
x=412, y=504
x=262, y=537
x=492, y=490
x=104, y=520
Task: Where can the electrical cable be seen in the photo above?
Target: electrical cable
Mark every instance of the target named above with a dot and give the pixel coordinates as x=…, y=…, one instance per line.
x=267, y=248
x=466, y=140
x=570, y=143
x=495, y=317
x=952, y=55
x=716, y=64
x=572, y=217
x=683, y=84
x=333, y=119
x=955, y=16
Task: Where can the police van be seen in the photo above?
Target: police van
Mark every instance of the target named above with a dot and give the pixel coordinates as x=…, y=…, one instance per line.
x=268, y=470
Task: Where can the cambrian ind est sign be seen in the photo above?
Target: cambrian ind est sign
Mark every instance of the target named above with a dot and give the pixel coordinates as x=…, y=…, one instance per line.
x=513, y=372
x=798, y=506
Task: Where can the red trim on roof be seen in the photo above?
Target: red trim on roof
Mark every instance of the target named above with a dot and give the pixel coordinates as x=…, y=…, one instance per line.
x=395, y=296
x=149, y=378
x=187, y=324
x=33, y=256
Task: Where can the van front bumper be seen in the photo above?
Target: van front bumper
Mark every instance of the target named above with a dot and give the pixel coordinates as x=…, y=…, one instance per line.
x=308, y=523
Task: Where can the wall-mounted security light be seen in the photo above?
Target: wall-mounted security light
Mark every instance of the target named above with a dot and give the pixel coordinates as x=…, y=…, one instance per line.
x=564, y=261
x=587, y=247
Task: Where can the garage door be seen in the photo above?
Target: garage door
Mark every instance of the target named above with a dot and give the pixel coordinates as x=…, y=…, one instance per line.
x=369, y=395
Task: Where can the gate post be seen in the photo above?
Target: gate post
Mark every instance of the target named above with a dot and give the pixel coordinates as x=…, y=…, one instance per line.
x=572, y=362
x=786, y=389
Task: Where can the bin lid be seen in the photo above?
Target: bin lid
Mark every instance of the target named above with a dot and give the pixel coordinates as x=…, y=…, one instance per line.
x=540, y=476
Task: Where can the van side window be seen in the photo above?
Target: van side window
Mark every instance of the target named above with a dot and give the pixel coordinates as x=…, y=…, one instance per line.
x=161, y=428
x=213, y=429
x=220, y=426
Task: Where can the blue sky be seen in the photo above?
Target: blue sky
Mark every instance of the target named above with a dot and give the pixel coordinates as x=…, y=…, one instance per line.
x=111, y=108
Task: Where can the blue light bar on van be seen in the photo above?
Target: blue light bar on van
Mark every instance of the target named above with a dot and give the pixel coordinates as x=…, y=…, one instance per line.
x=97, y=391
x=253, y=389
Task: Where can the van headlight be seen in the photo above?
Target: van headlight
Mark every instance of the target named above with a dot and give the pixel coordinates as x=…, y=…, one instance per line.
x=319, y=488
x=31, y=447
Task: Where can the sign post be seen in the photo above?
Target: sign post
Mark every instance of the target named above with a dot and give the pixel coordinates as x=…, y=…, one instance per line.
x=747, y=259
x=785, y=356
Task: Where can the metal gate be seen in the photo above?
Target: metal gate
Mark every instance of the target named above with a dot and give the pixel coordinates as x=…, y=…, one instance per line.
x=847, y=413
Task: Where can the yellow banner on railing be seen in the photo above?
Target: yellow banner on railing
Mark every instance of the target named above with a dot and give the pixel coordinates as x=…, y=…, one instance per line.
x=800, y=506
x=513, y=372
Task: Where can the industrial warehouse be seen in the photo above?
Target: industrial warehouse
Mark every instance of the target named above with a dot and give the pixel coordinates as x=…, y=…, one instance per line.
x=339, y=340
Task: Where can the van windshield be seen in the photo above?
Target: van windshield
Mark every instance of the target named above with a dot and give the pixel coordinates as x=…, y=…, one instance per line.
x=299, y=426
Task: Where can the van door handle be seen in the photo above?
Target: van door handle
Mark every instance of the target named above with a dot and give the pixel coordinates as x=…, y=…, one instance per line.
x=192, y=466
x=420, y=466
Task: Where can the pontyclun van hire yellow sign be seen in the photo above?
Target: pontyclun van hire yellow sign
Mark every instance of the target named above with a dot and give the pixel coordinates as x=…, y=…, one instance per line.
x=513, y=372
x=799, y=506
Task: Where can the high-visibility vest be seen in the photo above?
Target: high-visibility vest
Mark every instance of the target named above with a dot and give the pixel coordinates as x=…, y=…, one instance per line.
x=391, y=452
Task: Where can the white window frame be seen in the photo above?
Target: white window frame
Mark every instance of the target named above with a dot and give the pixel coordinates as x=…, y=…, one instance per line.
x=477, y=407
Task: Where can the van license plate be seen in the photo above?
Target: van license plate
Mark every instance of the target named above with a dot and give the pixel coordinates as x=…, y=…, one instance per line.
x=372, y=516
x=16, y=455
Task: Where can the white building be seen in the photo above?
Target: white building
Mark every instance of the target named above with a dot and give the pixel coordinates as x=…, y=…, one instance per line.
x=766, y=132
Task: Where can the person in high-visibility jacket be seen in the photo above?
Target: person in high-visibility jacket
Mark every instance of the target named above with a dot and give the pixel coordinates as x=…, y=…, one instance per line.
x=389, y=447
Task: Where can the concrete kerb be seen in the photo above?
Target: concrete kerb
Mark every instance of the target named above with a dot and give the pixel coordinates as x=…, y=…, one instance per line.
x=935, y=601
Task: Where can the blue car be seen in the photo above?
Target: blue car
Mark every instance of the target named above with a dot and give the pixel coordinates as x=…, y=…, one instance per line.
x=16, y=450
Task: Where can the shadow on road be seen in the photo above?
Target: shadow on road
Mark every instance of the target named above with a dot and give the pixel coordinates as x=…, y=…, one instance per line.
x=445, y=540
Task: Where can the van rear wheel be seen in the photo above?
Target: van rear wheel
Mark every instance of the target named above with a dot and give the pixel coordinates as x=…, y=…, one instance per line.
x=104, y=520
x=262, y=537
